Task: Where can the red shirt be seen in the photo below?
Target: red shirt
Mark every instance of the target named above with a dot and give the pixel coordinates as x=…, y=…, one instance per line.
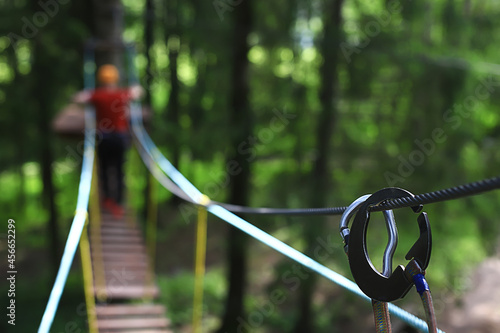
x=111, y=109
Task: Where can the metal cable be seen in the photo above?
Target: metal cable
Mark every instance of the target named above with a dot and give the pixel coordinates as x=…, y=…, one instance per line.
x=451, y=193
x=431, y=197
x=283, y=211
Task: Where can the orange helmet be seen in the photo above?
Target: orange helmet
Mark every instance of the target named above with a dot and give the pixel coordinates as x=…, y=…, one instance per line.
x=108, y=74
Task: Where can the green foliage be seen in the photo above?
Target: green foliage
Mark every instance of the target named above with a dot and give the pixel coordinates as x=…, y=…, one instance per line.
x=177, y=295
x=399, y=85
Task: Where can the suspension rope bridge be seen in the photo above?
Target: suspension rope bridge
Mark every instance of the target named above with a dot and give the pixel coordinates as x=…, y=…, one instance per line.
x=116, y=250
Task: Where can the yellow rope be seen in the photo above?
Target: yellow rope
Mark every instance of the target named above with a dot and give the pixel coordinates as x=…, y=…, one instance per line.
x=134, y=159
x=152, y=219
x=95, y=231
x=201, y=248
x=87, y=279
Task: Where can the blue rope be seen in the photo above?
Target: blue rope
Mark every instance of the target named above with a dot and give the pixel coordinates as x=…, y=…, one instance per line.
x=81, y=208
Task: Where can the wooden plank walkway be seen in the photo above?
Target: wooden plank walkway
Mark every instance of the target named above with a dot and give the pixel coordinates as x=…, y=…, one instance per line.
x=123, y=276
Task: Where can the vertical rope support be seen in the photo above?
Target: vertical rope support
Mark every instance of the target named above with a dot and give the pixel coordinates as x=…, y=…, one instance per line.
x=382, y=318
x=429, y=311
x=417, y=274
x=199, y=272
x=152, y=221
x=87, y=279
x=130, y=173
x=95, y=231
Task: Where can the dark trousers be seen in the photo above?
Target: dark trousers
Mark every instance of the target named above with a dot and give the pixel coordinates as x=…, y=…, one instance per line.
x=111, y=152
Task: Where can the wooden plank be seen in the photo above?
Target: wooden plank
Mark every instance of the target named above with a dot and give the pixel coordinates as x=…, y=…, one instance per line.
x=111, y=251
x=122, y=221
x=120, y=231
x=128, y=323
x=124, y=238
x=117, y=285
x=126, y=277
x=125, y=274
x=125, y=271
x=113, y=221
x=120, y=257
x=106, y=215
x=123, y=247
x=125, y=264
x=120, y=239
x=118, y=224
x=117, y=263
x=129, y=291
x=146, y=330
x=130, y=310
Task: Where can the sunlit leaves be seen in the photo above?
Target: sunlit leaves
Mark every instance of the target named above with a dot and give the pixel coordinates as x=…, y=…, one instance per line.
x=187, y=69
x=6, y=72
x=257, y=55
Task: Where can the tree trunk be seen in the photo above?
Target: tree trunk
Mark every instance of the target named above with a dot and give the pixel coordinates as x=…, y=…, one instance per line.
x=241, y=124
x=149, y=17
x=108, y=30
x=320, y=181
x=43, y=94
x=172, y=39
x=20, y=128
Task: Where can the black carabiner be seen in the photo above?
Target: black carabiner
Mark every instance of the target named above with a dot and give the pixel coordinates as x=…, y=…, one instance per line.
x=369, y=280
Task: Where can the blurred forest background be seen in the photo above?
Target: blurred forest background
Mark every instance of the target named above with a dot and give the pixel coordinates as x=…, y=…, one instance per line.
x=319, y=101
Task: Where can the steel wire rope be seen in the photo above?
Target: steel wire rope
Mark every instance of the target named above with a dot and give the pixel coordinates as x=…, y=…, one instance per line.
x=455, y=192
x=451, y=193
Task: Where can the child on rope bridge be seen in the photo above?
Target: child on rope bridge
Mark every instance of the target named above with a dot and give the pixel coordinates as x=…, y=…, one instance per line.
x=112, y=111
